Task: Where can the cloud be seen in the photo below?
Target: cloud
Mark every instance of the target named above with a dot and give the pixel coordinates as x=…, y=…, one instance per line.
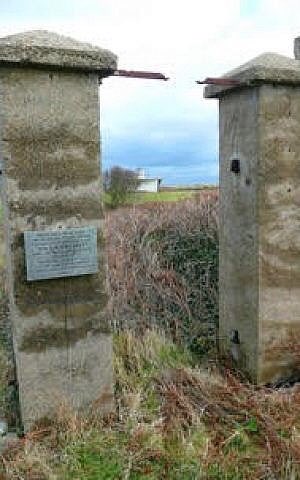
x=165, y=127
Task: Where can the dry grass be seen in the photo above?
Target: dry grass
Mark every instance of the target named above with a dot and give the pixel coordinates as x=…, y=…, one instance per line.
x=175, y=420
x=163, y=266
x=252, y=429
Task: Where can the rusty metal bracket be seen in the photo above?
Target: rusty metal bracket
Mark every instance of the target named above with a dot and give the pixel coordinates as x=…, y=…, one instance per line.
x=225, y=81
x=139, y=74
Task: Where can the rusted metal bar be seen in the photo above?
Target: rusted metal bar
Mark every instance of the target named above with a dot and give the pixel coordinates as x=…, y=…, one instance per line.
x=140, y=74
x=226, y=81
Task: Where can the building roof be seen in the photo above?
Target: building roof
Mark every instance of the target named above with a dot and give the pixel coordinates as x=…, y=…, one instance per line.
x=147, y=179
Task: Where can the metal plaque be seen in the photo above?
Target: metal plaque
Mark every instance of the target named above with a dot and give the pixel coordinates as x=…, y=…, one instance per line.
x=61, y=253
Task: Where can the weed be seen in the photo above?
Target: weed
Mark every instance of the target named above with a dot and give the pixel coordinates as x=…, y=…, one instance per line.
x=96, y=457
x=175, y=420
x=163, y=263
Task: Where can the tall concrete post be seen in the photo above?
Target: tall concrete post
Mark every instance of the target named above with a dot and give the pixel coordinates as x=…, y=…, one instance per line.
x=260, y=215
x=49, y=154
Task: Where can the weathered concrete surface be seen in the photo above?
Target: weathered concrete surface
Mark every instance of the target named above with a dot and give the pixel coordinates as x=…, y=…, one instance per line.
x=238, y=270
x=260, y=223
x=279, y=229
x=266, y=68
x=40, y=47
x=50, y=150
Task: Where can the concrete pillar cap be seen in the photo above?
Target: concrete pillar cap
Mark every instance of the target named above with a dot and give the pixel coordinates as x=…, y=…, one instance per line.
x=42, y=48
x=266, y=68
x=297, y=48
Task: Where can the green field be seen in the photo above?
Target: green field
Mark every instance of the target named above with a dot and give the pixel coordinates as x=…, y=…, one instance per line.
x=172, y=196
x=140, y=198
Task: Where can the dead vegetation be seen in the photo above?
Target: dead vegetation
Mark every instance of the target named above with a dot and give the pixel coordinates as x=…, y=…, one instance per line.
x=174, y=420
x=177, y=416
x=163, y=263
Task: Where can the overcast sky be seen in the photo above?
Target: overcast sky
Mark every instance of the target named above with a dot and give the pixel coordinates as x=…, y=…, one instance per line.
x=165, y=127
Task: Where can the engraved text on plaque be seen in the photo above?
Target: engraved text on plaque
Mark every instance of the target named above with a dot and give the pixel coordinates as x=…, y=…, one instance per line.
x=60, y=253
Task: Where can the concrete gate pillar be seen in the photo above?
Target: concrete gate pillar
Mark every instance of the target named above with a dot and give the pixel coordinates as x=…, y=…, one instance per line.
x=260, y=214
x=51, y=185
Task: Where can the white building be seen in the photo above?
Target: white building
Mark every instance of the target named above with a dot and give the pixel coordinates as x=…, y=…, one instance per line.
x=147, y=184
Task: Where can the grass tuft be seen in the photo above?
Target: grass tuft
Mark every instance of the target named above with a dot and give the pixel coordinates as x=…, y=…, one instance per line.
x=175, y=420
x=179, y=416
